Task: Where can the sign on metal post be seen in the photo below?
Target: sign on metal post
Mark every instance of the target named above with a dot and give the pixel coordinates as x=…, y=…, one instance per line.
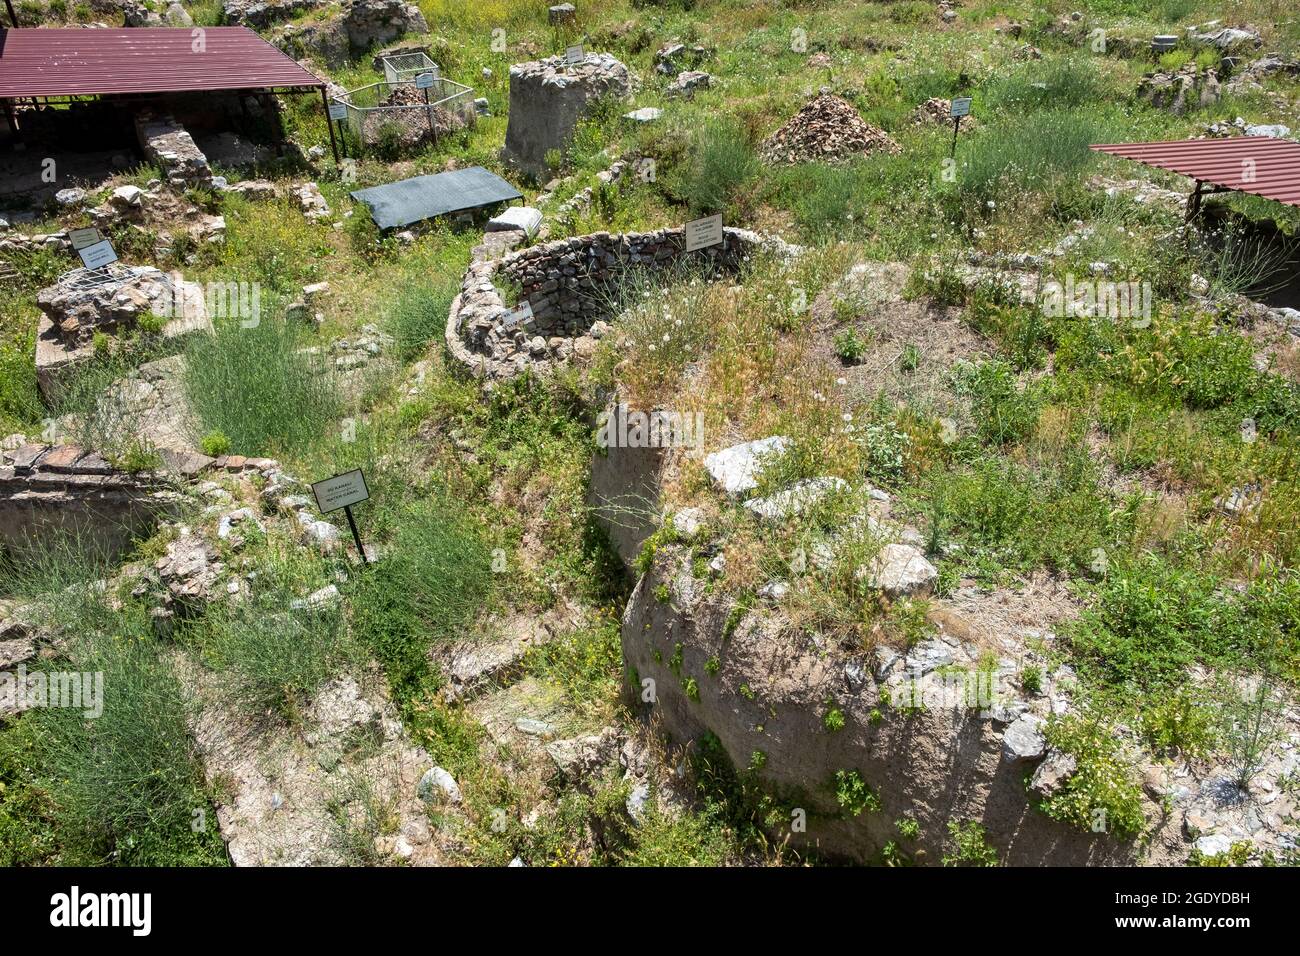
x=960, y=107
x=702, y=233
x=424, y=81
x=338, y=111
x=81, y=238
x=97, y=255
x=343, y=491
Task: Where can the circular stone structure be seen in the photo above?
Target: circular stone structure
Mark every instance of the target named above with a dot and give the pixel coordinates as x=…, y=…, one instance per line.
x=565, y=284
x=548, y=97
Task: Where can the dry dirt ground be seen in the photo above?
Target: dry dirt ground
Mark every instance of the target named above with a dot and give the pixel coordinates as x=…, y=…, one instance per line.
x=870, y=300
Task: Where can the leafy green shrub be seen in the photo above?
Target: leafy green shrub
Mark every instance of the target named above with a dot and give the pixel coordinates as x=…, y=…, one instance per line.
x=1182, y=722
x=1003, y=516
x=260, y=387
x=1151, y=620
x=1031, y=679
x=1102, y=795
x=969, y=845
x=1004, y=412
x=850, y=346
x=854, y=794
x=215, y=444
x=885, y=448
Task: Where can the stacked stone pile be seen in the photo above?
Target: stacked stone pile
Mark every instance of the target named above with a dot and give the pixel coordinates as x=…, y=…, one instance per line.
x=827, y=130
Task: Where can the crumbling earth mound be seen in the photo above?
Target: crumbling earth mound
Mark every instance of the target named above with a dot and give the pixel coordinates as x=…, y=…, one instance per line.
x=827, y=130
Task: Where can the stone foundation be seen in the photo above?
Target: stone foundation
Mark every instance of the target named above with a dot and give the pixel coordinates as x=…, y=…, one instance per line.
x=167, y=143
x=547, y=98
x=73, y=311
x=568, y=284
x=70, y=490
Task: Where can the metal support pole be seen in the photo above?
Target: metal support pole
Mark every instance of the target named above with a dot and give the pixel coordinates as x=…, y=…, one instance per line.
x=334, y=146
x=956, y=125
x=1194, y=201
x=13, y=17
x=433, y=130
x=272, y=108
x=356, y=535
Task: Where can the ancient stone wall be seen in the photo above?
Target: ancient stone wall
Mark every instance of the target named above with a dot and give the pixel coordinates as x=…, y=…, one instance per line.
x=569, y=284
x=74, y=309
x=67, y=489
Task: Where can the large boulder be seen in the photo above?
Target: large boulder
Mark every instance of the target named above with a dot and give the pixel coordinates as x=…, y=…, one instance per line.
x=371, y=22
x=736, y=470
x=548, y=98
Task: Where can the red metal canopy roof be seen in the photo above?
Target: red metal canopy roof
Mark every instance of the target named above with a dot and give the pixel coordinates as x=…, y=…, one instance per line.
x=84, y=62
x=1260, y=165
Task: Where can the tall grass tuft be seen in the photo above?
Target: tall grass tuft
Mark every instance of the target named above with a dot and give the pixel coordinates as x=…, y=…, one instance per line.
x=419, y=316
x=1032, y=153
x=122, y=786
x=261, y=387
x=433, y=581
x=720, y=163
x=277, y=649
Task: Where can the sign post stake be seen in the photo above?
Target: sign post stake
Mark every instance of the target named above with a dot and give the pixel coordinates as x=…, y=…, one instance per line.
x=959, y=107
x=424, y=82
x=344, y=491
x=356, y=535
x=334, y=146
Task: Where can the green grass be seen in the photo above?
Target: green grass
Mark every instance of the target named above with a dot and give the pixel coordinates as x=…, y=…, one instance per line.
x=123, y=787
x=272, y=655
x=720, y=164
x=260, y=387
x=419, y=317
x=1102, y=795
x=434, y=580
x=1153, y=619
